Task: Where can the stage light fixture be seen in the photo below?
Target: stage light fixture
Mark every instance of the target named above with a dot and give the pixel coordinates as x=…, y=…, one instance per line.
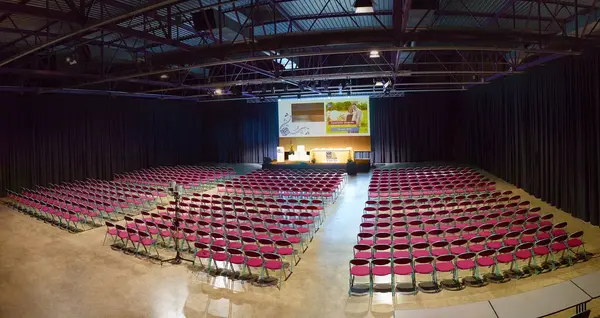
x=374, y=54
x=164, y=76
x=379, y=83
x=218, y=91
x=387, y=84
x=363, y=6
x=298, y=96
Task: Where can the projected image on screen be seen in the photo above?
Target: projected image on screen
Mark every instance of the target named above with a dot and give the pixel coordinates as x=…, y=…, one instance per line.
x=324, y=117
x=312, y=112
x=347, y=117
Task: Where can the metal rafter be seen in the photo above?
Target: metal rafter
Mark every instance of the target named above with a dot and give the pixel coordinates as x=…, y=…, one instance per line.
x=109, y=22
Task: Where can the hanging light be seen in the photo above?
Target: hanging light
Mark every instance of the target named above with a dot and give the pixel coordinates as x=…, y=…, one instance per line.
x=374, y=54
x=363, y=6
x=379, y=83
x=218, y=91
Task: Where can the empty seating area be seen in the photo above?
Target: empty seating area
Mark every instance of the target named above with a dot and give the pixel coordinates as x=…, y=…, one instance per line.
x=192, y=178
x=469, y=235
x=323, y=184
x=265, y=231
x=80, y=205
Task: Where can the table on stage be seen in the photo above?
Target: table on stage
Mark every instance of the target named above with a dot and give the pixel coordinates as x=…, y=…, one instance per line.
x=332, y=155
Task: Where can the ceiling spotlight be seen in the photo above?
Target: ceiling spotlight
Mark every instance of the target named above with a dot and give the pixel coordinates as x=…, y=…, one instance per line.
x=363, y=6
x=387, y=84
x=298, y=96
x=218, y=91
x=374, y=54
x=164, y=76
x=379, y=83
x=68, y=59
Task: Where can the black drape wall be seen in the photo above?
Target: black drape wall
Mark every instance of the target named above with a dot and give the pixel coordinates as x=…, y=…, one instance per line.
x=540, y=131
x=418, y=127
x=53, y=138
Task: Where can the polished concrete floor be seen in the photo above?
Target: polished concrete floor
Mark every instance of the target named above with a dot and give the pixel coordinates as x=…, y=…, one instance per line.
x=47, y=272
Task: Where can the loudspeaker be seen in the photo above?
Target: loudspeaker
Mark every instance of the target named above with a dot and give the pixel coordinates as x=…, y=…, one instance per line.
x=204, y=20
x=425, y=5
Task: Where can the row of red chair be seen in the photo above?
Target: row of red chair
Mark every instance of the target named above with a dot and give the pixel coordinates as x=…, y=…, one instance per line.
x=496, y=195
x=465, y=224
x=420, y=258
x=191, y=177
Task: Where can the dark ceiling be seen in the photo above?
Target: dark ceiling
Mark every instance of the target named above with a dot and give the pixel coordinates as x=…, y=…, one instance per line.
x=265, y=49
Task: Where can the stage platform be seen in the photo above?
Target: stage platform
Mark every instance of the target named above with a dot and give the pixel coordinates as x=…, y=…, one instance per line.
x=363, y=165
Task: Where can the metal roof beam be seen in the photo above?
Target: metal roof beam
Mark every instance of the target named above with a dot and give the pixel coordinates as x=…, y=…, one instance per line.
x=287, y=16
x=9, y=7
x=71, y=18
x=562, y=3
x=492, y=16
x=367, y=37
x=6, y=15
x=40, y=33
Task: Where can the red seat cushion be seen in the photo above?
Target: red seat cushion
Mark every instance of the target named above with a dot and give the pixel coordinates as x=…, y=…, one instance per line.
x=511, y=242
x=360, y=271
x=220, y=257
x=444, y=267
x=148, y=241
x=382, y=270
x=420, y=253
x=236, y=259
x=383, y=255
x=505, y=258
x=456, y=250
x=439, y=251
x=254, y=262
x=424, y=268
x=541, y=250
x=267, y=249
x=465, y=264
x=485, y=261
x=285, y=251
x=523, y=254
x=558, y=247
x=250, y=247
x=494, y=245
x=574, y=242
x=203, y=254
x=274, y=265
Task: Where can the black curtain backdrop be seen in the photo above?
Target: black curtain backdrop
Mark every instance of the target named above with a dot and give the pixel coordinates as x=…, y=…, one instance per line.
x=540, y=131
x=414, y=128
x=53, y=138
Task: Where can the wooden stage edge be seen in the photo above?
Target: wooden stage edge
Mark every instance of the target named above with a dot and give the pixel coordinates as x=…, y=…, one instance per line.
x=363, y=165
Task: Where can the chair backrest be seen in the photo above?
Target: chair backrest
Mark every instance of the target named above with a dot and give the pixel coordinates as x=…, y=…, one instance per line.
x=424, y=260
x=358, y=262
x=486, y=253
x=446, y=258
x=506, y=250
x=525, y=246
x=467, y=255
x=403, y=261
x=576, y=235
